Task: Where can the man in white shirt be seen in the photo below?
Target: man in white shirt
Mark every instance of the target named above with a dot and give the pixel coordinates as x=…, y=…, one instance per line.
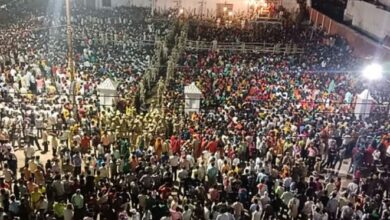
x=43, y=204
x=183, y=176
x=206, y=213
x=103, y=171
x=174, y=162
x=330, y=187
x=293, y=205
x=58, y=186
x=187, y=213
x=184, y=163
x=32, y=137
x=29, y=152
x=225, y=216
x=256, y=215
x=8, y=174
x=347, y=211
x=286, y=197
x=201, y=171
x=332, y=206
x=353, y=187
x=308, y=207
x=39, y=125
x=238, y=208
x=52, y=121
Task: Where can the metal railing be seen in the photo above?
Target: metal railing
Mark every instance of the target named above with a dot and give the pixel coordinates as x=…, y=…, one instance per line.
x=245, y=47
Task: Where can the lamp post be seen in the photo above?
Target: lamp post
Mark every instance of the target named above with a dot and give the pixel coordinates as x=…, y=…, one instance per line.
x=69, y=37
x=372, y=72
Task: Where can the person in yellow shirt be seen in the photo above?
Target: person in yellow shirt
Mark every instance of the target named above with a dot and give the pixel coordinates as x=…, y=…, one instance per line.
x=35, y=196
x=78, y=87
x=231, y=173
x=287, y=144
x=29, y=95
x=194, y=117
x=58, y=209
x=51, y=90
x=130, y=111
x=278, y=149
x=287, y=127
x=65, y=113
x=42, y=189
x=165, y=147
x=225, y=167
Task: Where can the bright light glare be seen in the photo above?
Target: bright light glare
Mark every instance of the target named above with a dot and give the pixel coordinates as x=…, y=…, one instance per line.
x=373, y=72
x=181, y=11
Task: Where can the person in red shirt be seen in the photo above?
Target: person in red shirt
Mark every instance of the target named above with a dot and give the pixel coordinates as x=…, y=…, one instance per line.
x=212, y=146
x=3, y=184
x=214, y=194
x=165, y=191
x=85, y=143
x=175, y=145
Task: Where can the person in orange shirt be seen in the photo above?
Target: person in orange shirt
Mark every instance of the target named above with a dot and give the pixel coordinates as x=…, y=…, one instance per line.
x=284, y=171
x=31, y=186
x=106, y=141
x=133, y=162
x=296, y=94
x=158, y=147
x=386, y=140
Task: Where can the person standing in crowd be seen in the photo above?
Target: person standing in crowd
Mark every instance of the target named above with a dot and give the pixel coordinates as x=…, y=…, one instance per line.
x=270, y=130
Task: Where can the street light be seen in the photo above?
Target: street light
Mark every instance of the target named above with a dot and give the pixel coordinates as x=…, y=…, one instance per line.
x=373, y=72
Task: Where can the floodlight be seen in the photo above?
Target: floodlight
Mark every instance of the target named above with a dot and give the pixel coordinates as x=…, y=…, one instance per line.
x=373, y=72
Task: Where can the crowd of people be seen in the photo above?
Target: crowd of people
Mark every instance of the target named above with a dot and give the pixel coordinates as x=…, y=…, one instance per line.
x=277, y=129
x=36, y=96
x=245, y=31
x=275, y=137
x=242, y=27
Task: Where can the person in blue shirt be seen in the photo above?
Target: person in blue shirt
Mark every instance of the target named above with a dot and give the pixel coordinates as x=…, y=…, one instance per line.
x=14, y=206
x=77, y=161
